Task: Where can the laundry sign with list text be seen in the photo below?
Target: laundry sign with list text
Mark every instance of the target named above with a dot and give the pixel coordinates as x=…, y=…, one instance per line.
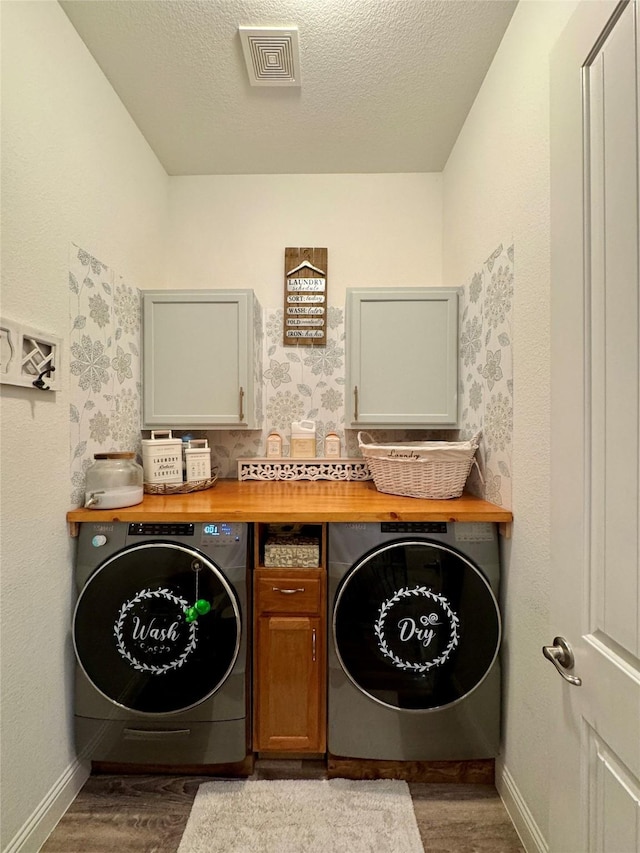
x=305, y=297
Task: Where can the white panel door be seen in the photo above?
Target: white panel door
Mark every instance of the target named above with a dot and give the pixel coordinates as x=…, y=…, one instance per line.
x=595, y=778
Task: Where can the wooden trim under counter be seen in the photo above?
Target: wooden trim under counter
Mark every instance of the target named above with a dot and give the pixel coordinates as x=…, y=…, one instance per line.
x=298, y=501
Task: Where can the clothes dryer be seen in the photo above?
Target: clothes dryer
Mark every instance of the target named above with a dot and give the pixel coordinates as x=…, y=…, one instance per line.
x=414, y=636
x=155, y=684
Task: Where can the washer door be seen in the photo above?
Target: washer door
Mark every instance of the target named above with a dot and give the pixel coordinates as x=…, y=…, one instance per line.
x=416, y=625
x=131, y=636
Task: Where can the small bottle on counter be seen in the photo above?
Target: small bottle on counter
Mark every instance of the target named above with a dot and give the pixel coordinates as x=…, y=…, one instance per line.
x=332, y=446
x=274, y=445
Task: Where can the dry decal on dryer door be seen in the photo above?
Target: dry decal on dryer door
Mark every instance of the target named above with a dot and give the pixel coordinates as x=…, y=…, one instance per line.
x=417, y=629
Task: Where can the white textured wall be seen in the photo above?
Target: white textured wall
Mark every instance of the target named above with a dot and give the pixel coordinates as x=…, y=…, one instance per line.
x=74, y=167
x=232, y=230
x=496, y=188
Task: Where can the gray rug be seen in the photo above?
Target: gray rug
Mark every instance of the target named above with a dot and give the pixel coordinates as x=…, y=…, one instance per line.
x=302, y=816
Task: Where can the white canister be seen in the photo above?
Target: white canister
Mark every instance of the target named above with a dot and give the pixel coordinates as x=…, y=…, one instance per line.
x=162, y=457
x=303, y=440
x=198, y=460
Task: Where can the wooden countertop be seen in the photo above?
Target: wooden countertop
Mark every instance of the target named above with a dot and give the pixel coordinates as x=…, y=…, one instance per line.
x=298, y=501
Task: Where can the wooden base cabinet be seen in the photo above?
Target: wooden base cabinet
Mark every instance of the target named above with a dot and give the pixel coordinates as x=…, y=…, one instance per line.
x=289, y=660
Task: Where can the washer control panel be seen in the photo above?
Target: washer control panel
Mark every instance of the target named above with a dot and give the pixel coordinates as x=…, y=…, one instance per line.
x=225, y=543
x=204, y=533
x=413, y=527
x=220, y=533
x=160, y=529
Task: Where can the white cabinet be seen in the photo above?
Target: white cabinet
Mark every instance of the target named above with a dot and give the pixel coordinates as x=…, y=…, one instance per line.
x=202, y=359
x=402, y=357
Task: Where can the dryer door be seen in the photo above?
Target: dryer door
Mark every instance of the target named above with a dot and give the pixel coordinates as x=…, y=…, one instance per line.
x=132, y=638
x=416, y=625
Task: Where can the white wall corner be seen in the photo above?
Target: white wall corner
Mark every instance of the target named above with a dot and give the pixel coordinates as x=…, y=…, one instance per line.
x=45, y=817
x=525, y=825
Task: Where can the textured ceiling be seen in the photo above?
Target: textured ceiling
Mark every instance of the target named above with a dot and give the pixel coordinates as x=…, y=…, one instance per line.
x=386, y=84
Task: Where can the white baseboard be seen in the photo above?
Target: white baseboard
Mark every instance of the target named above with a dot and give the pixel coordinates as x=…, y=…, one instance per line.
x=42, y=821
x=531, y=837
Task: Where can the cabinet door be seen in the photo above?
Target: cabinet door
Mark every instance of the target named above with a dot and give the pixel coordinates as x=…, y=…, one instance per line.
x=402, y=357
x=290, y=675
x=198, y=362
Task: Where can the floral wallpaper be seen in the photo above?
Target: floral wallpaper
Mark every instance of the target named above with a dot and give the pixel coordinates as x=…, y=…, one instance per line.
x=305, y=383
x=486, y=373
x=105, y=319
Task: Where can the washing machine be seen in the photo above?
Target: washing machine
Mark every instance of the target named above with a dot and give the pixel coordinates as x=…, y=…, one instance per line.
x=414, y=637
x=160, y=636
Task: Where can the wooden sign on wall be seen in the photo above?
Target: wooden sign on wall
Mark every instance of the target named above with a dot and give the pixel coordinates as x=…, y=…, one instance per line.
x=305, y=297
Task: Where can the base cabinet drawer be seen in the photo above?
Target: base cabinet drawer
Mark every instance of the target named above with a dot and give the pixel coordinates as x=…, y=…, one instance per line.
x=278, y=593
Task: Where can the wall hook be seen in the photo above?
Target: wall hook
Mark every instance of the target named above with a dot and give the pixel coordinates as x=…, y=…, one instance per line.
x=39, y=382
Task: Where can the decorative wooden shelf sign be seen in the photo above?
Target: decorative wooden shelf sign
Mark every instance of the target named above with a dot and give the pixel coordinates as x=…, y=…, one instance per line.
x=303, y=469
x=305, y=297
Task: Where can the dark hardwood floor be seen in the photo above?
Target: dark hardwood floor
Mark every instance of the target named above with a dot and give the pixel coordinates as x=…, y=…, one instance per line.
x=147, y=814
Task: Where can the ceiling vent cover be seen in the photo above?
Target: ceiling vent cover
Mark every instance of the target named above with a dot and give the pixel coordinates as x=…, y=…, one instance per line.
x=272, y=55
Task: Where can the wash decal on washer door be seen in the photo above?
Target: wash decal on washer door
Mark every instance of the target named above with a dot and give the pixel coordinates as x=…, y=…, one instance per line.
x=413, y=623
x=151, y=631
x=157, y=628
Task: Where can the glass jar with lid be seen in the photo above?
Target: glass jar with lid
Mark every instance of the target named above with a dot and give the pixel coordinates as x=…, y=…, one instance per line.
x=114, y=480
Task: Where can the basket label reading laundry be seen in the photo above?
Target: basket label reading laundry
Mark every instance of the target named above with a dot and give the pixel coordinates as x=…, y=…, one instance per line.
x=416, y=629
x=403, y=454
x=151, y=632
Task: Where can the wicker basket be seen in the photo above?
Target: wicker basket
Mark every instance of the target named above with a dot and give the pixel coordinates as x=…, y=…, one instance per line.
x=420, y=469
x=180, y=488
